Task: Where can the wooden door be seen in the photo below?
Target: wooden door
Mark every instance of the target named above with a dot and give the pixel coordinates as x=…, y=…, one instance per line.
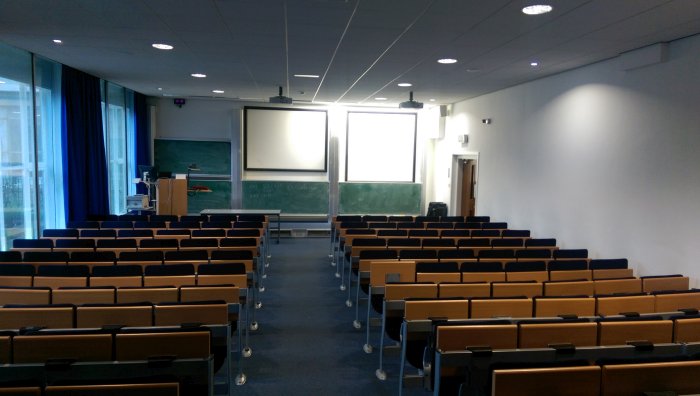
x=468, y=198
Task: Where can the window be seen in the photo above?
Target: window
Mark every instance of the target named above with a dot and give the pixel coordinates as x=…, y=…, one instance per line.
x=17, y=159
x=114, y=120
x=47, y=91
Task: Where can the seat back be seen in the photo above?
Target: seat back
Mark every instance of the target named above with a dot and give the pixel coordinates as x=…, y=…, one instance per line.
x=162, y=389
x=516, y=289
x=634, y=379
x=617, y=286
x=620, y=333
x=548, y=307
x=27, y=296
x=461, y=337
x=464, y=290
x=88, y=295
x=178, y=314
x=380, y=271
x=576, y=288
x=675, y=301
x=581, y=381
x=616, y=305
x=146, y=294
x=651, y=284
x=449, y=309
x=506, y=307
x=542, y=335
x=182, y=345
x=118, y=315
x=45, y=347
x=58, y=317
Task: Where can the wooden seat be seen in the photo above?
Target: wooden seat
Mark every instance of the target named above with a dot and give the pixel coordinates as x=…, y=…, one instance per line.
x=617, y=286
x=483, y=276
x=450, y=309
x=549, y=307
x=541, y=335
x=620, y=333
x=616, y=305
x=147, y=294
x=27, y=296
x=177, y=314
x=506, y=307
x=578, y=381
x=525, y=276
x=163, y=389
x=664, y=283
x=675, y=301
x=516, y=289
x=21, y=391
x=81, y=347
x=571, y=275
x=405, y=291
x=460, y=337
x=58, y=317
x=88, y=295
x=119, y=315
x=599, y=274
x=633, y=379
x=394, y=271
x=577, y=288
x=229, y=294
x=464, y=290
x=182, y=345
x=686, y=330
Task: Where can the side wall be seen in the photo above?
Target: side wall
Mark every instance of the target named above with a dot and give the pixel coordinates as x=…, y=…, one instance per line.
x=597, y=157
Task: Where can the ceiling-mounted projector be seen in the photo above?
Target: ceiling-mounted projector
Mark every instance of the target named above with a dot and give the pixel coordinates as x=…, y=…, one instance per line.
x=280, y=99
x=411, y=104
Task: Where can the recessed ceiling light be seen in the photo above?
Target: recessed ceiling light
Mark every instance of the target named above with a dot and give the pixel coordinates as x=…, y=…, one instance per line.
x=537, y=9
x=160, y=89
x=533, y=64
x=306, y=75
x=57, y=41
x=405, y=85
x=447, y=61
x=161, y=46
x=473, y=70
x=2, y=82
x=165, y=94
x=217, y=91
x=379, y=98
x=432, y=100
x=198, y=75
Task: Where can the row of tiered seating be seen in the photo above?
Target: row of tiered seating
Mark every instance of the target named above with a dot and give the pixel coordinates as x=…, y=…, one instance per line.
x=117, y=274
x=470, y=271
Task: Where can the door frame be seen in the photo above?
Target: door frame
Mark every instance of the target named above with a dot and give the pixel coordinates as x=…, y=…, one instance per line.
x=456, y=181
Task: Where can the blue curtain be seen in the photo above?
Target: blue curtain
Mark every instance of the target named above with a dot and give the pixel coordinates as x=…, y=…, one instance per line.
x=85, y=184
x=143, y=136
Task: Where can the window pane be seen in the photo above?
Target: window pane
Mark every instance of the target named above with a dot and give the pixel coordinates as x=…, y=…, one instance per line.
x=47, y=80
x=18, y=217
x=116, y=147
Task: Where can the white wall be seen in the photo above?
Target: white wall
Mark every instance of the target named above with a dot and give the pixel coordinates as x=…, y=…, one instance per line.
x=597, y=157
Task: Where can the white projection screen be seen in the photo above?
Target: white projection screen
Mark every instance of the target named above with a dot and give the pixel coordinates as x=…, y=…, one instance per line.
x=381, y=147
x=280, y=139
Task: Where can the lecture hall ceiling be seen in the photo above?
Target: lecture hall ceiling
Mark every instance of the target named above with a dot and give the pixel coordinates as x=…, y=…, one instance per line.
x=360, y=49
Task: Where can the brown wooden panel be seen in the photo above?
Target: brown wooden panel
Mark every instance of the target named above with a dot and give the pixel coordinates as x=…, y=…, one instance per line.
x=451, y=309
x=620, y=333
x=633, y=379
x=458, y=338
x=541, y=335
x=549, y=307
x=570, y=381
x=83, y=347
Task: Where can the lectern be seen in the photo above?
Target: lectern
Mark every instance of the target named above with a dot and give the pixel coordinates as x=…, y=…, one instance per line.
x=171, y=196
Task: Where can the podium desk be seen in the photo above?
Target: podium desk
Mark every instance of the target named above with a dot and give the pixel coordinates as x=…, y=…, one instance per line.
x=171, y=196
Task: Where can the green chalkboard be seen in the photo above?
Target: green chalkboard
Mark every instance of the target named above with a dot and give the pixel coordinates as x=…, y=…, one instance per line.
x=218, y=198
x=176, y=155
x=379, y=198
x=290, y=197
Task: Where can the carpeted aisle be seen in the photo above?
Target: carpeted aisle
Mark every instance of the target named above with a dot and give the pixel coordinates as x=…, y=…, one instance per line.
x=306, y=344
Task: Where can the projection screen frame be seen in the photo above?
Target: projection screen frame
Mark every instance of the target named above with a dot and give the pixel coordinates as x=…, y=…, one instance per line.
x=276, y=169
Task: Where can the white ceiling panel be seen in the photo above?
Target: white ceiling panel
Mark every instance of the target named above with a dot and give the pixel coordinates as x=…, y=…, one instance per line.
x=359, y=48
